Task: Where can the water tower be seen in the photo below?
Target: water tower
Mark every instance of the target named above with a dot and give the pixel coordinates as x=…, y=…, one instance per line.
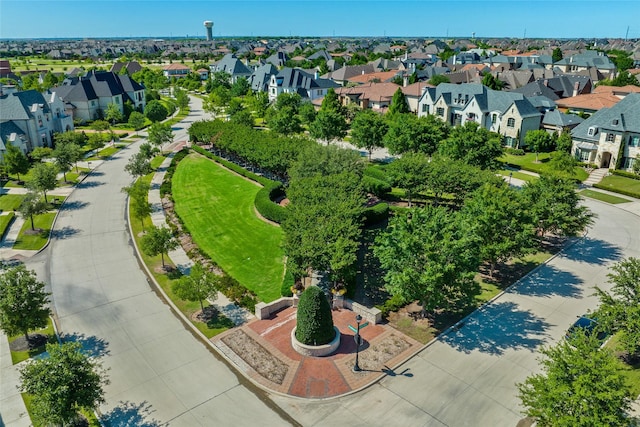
x=209, y=26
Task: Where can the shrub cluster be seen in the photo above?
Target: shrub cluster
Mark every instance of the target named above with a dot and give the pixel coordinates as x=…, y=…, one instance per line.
x=514, y=151
x=238, y=293
x=375, y=186
x=626, y=174
x=394, y=303
x=622, y=191
x=314, y=319
x=265, y=202
x=165, y=187
x=375, y=214
x=287, y=283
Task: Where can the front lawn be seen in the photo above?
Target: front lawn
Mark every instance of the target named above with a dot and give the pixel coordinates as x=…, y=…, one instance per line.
x=217, y=208
x=608, y=198
x=631, y=373
x=528, y=162
x=10, y=202
x=5, y=220
x=36, y=241
x=19, y=356
x=518, y=175
x=621, y=184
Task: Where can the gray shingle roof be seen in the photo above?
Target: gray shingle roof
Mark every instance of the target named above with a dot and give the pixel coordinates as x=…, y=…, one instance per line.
x=232, y=66
x=557, y=118
x=6, y=129
x=17, y=105
x=622, y=117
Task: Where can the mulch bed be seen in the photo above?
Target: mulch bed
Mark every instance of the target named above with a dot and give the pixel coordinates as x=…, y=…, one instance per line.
x=380, y=353
x=35, y=341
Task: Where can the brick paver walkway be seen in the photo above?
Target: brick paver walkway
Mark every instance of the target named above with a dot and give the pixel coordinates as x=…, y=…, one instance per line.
x=321, y=377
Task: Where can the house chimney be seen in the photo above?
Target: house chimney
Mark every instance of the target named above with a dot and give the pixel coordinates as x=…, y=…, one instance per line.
x=545, y=82
x=405, y=81
x=576, y=86
x=316, y=75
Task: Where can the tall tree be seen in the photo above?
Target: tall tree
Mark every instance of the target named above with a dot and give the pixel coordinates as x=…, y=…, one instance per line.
x=492, y=82
x=564, y=142
x=65, y=156
x=330, y=102
x=136, y=120
x=182, y=99
x=43, y=178
x=31, y=205
x=555, y=206
x=113, y=113
x=418, y=134
x=158, y=241
x=410, y=173
x=96, y=141
x=580, y=385
x=368, y=129
x=160, y=134
x=474, y=145
x=155, y=111
x=15, y=162
x=328, y=126
x=284, y=120
x=398, y=103
x=240, y=87
x=431, y=255
x=556, y=55
x=138, y=165
x=259, y=102
x=23, y=302
x=139, y=200
x=198, y=286
x=62, y=383
x=538, y=141
x=620, y=309
x=307, y=113
x=501, y=221
x=439, y=78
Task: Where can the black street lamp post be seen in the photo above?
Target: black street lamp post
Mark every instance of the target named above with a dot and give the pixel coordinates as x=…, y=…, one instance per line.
x=358, y=340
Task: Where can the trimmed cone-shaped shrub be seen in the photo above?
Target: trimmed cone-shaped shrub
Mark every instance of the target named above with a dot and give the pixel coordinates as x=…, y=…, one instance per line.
x=315, y=322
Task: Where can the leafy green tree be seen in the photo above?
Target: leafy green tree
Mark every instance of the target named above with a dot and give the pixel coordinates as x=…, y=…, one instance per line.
x=317, y=160
x=217, y=100
x=563, y=163
x=328, y=126
x=78, y=138
x=556, y=55
x=49, y=80
x=410, y=173
x=96, y=141
x=564, y=142
x=136, y=120
x=235, y=106
x=219, y=79
x=63, y=383
x=314, y=323
x=15, y=162
x=31, y=205
x=155, y=111
x=492, y=82
x=284, y=121
x=439, y=78
x=368, y=129
x=418, y=134
x=555, y=206
x=158, y=241
x=538, y=141
x=113, y=114
x=259, y=102
x=43, y=178
x=40, y=153
x=139, y=200
x=100, y=125
x=138, y=165
x=431, y=255
x=182, y=99
x=620, y=309
x=330, y=102
x=474, y=145
x=240, y=87
x=242, y=117
x=160, y=134
x=307, y=113
x=65, y=156
x=23, y=302
x=199, y=285
x=502, y=223
x=291, y=100
x=580, y=385
x=398, y=103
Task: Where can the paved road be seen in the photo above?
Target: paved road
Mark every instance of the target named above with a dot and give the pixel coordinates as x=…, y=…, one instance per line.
x=159, y=372
x=467, y=378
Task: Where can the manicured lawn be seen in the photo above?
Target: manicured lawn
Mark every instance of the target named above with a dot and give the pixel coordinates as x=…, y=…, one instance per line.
x=217, y=208
x=603, y=197
x=36, y=241
x=518, y=175
x=90, y=416
x=617, y=183
x=19, y=356
x=631, y=373
x=5, y=220
x=528, y=162
x=157, y=161
x=166, y=280
x=9, y=202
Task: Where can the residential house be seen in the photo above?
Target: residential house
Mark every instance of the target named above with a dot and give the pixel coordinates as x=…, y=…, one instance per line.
x=278, y=59
x=413, y=92
x=555, y=88
x=377, y=77
x=589, y=59
x=29, y=119
x=295, y=80
x=261, y=77
x=177, y=71
x=555, y=121
x=203, y=73
x=88, y=97
x=587, y=104
x=130, y=67
x=610, y=138
x=233, y=66
x=509, y=114
x=373, y=96
x=342, y=75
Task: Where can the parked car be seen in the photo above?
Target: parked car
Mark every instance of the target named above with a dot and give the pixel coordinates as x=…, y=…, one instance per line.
x=589, y=325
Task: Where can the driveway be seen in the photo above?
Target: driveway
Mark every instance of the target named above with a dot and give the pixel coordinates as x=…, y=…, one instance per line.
x=468, y=377
x=160, y=374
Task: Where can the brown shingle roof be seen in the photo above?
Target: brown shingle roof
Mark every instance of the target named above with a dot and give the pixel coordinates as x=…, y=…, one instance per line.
x=591, y=101
x=371, y=91
x=382, y=76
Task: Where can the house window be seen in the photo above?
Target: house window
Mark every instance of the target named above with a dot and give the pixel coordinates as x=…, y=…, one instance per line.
x=509, y=141
x=611, y=137
x=425, y=108
x=494, y=118
x=273, y=91
x=584, y=155
x=39, y=122
x=634, y=141
x=627, y=162
x=440, y=111
x=511, y=122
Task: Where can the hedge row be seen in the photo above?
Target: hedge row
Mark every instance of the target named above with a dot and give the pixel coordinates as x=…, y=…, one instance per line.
x=375, y=186
x=626, y=174
x=618, y=190
x=375, y=214
x=230, y=165
x=165, y=187
x=265, y=205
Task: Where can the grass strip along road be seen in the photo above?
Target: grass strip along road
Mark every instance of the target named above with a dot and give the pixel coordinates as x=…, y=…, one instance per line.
x=217, y=208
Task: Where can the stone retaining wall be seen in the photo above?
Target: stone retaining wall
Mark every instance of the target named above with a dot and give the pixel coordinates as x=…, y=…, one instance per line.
x=264, y=310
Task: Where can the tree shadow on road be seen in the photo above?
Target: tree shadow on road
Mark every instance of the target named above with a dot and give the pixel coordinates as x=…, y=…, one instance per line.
x=593, y=251
x=498, y=327
x=64, y=232
x=74, y=206
x=89, y=184
x=549, y=281
x=131, y=414
x=91, y=345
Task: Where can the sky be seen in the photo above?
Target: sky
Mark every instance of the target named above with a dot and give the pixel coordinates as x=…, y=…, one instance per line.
x=320, y=18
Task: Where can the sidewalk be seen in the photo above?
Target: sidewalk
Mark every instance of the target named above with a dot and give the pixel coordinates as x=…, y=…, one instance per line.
x=12, y=410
